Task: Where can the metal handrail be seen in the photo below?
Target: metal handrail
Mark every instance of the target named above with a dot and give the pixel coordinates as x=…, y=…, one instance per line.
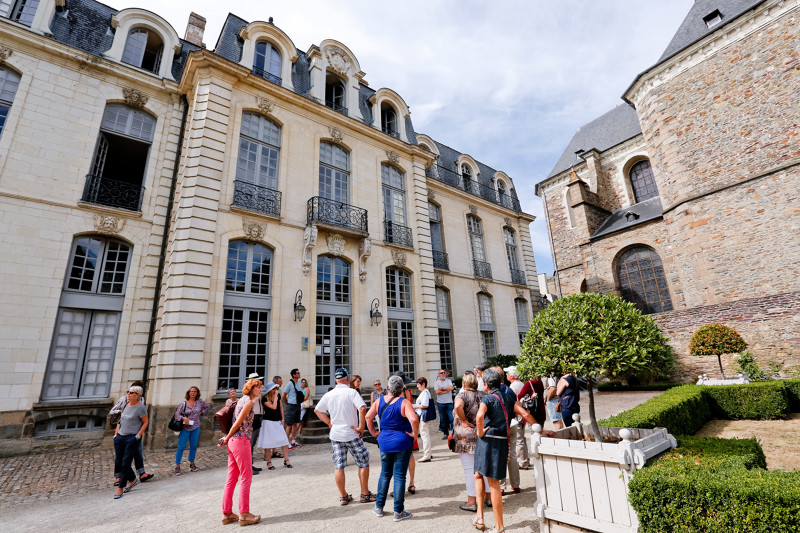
x=393, y=133
x=113, y=193
x=327, y=211
x=518, y=277
x=256, y=198
x=336, y=107
x=482, y=269
x=454, y=179
x=397, y=234
x=440, y=260
x=261, y=73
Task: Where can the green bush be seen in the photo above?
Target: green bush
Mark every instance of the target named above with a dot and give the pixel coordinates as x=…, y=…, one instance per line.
x=501, y=360
x=793, y=394
x=757, y=401
x=682, y=410
x=617, y=386
x=716, y=339
x=713, y=485
x=746, y=364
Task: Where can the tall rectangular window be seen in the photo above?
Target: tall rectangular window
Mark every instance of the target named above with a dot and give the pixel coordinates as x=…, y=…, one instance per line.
x=401, y=346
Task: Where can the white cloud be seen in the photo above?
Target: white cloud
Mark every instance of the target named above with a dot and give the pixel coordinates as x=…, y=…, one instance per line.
x=508, y=82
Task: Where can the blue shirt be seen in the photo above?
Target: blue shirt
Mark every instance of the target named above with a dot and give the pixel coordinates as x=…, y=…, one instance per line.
x=394, y=428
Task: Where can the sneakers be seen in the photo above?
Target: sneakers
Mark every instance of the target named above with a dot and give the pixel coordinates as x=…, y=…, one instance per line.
x=377, y=511
x=292, y=446
x=401, y=516
x=177, y=470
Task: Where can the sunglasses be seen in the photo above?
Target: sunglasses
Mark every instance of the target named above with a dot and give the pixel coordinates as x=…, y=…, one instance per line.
x=132, y=392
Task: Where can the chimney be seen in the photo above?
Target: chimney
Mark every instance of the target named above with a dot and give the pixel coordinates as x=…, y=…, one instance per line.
x=194, y=29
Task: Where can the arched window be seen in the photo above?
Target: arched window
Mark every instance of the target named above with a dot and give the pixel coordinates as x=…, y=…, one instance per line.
x=334, y=173
x=502, y=194
x=120, y=160
x=517, y=274
x=84, y=342
x=267, y=62
x=24, y=11
x=394, y=207
x=143, y=49
x=257, y=165
x=9, y=83
x=333, y=279
x=486, y=326
x=521, y=309
x=334, y=315
x=480, y=267
x=642, y=181
x=335, y=94
x=440, y=259
x=389, y=120
x=398, y=288
x=466, y=179
x=400, y=321
x=642, y=280
x=247, y=306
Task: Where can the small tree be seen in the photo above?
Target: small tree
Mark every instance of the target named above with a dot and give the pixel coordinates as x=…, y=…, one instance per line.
x=593, y=334
x=716, y=339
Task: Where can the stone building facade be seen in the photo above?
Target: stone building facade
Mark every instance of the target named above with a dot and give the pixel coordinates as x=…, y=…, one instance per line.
x=684, y=199
x=168, y=210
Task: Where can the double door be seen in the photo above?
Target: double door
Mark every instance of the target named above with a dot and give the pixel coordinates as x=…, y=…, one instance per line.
x=332, y=349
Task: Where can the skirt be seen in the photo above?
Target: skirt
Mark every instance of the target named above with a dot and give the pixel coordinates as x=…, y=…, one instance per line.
x=491, y=457
x=272, y=435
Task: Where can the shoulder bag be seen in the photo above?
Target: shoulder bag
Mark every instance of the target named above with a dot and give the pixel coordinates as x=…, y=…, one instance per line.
x=530, y=402
x=175, y=424
x=224, y=417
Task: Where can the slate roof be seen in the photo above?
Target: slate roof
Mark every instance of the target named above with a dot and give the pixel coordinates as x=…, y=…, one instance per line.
x=86, y=25
x=627, y=217
x=448, y=157
x=606, y=131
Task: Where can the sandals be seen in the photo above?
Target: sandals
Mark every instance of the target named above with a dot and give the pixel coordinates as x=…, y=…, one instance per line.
x=287, y=464
x=230, y=518
x=116, y=482
x=127, y=489
x=344, y=500
x=478, y=523
x=495, y=530
x=279, y=455
x=412, y=489
x=146, y=477
x=193, y=468
x=117, y=496
x=269, y=466
x=249, y=521
x=368, y=498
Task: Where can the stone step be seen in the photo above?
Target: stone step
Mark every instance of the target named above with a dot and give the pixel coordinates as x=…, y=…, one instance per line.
x=312, y=439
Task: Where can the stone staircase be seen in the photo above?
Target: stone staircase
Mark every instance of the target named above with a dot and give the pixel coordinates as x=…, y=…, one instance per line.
x=315, y=431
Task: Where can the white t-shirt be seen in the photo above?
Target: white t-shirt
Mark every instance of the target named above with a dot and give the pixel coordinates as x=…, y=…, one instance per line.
x=342, y=404
x=446, y=397
x=424, y=400
x=516, y=386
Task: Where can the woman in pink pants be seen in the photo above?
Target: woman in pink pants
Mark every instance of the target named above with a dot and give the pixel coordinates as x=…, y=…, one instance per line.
x=240, y=459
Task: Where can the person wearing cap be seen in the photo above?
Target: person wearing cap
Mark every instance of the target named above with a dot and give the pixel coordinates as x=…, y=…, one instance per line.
x=273, y=434
x=258, y=417
x=521, y=445
x=343, y=410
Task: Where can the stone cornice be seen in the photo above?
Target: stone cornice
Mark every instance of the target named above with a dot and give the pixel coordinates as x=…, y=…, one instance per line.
x=736, y=30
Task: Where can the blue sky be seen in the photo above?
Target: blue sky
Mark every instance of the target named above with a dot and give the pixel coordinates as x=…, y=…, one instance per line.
x=507, y=82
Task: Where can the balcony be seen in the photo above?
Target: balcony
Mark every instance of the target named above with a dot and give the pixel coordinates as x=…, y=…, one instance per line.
x=337, y=215
x=397, y=234
x=256, y=198
x=518, y=277
x=112, y=193
x=392, y=132
x=336, y=107
x=261, y=73
x=454, y=179
x=482, y=269
x=440, y=260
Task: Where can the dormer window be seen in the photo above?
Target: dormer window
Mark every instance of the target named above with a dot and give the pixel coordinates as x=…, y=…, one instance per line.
x=267, y=62
x=713, y=18
x=143, y=49
x=466, y=177
x=334, y=94
x=388, y=120
x=24, y=11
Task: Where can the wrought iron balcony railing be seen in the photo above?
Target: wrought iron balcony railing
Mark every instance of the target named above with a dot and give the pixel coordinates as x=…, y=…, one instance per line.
x=440, y=260
x=335, y=213
x=391, y=132
x=336, y=107
x=454, y=179
x=113, y=193
x=518, y=277
x=256, y=198
x=482, y=269
x=397, y=234
x=261, y=73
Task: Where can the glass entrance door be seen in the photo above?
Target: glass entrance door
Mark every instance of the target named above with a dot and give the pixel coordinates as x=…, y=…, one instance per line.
x=333, y=349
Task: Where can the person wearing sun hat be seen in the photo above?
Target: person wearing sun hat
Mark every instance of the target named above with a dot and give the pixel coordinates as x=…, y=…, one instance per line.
x=343, y=410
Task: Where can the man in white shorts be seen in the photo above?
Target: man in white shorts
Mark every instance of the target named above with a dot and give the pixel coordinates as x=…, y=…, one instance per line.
x=344, y=411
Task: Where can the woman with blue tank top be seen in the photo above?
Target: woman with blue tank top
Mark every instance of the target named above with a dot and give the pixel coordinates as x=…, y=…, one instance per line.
x=399, y=424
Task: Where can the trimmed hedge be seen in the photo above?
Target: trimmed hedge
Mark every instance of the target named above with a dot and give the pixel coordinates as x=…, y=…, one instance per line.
x=617, y=386
x=713, y=485
x=682, y=410
x=793, y=392
x=766, y=400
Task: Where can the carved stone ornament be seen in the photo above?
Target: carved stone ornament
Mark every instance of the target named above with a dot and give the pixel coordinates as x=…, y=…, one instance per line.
x=508, y=221
x=135, y=98
x=108, y=225
x=253, y=230
x=265, y=104
x=473, y=209
x=338, y=60
x=392, y=156
x=336, y=134
x=520, y=293
x=431, y=194
x=438, y=279
x=5, y=53
x=336, y=244
x=309, y=241
x=399, y=258
x=484, y=287
x=364, y=251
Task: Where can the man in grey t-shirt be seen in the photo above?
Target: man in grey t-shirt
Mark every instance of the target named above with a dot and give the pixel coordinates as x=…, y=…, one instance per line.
x=444, y=401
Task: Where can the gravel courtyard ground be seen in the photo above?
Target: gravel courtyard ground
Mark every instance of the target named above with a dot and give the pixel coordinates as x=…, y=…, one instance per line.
x=72, y=491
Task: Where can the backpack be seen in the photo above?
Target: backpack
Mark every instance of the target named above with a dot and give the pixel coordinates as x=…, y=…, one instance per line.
x=299, y=394
x=530, y=402
x=224, y=417
x=430, y=412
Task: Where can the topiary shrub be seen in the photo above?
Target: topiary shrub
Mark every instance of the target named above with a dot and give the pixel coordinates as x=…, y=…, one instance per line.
x=716, y=339
x=591, y=334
